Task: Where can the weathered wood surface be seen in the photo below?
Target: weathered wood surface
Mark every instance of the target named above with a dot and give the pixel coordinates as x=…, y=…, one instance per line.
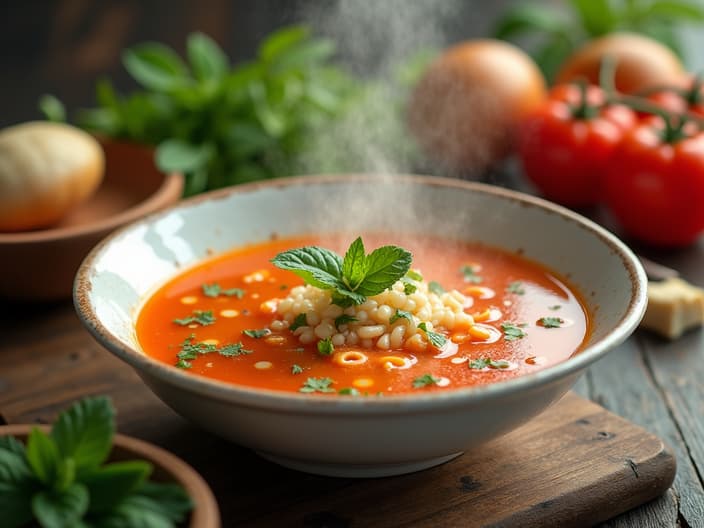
x=558, y=470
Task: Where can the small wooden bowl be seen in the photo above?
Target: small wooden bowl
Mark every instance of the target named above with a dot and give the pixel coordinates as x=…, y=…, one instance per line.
x=167, y=468
x=40, y=265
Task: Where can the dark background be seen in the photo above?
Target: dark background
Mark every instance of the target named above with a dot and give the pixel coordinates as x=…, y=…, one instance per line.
x=63, y=46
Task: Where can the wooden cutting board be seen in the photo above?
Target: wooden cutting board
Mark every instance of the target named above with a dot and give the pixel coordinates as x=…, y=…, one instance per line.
x=575, y=465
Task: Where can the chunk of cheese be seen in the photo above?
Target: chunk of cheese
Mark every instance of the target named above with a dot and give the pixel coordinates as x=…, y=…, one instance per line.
x=674, y=306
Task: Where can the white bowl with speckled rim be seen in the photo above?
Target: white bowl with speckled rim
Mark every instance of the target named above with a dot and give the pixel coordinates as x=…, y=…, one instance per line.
x=360, y=437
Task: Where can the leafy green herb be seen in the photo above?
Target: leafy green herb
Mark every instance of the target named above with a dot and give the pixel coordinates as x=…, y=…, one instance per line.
x=470, y=274
x=401, y=314
x=201, y=317
x=512, y=332
x=353, y=278
x=233, y=350
x=409, y=288
x=298, y=322
x=414, y=275
x=482, y=363
x=257, y=334
x=425, y=381
x=344, y=319
x=296, y=369
x=214, y=290
x=325, y=347
x=61, y=478
x=317, y=385
x=437, y=340
x=436, y=288
x=555, y=307
x=551, y=322
x=183, y=364
x=556, y=33
x=516, y=287
x=348, y=391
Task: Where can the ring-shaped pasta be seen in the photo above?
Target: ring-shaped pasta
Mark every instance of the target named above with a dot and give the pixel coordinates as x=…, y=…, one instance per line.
x=349, y=358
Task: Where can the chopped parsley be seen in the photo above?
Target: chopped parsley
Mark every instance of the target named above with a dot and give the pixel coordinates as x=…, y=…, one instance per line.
x=512, y=331
x=551, y=322
x=257, y=334
x=409, y=288
x=298, y=322
x=425, y=381
x=343, y=320
x=325, y=347
x=213, y=290
x=296, y=369
x=348, y=391
x=483, y=363
x=436, y=288
x=317, y=385
x=437, y=340
x=201, y=317
x=414, y=275
x=555, y=307
x=234, y=349
x=470, y=274
x=516, y=287
x=401, y=314
x=191, y=349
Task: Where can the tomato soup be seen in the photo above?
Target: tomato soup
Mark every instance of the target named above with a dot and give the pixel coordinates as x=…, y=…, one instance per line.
x=462, y=315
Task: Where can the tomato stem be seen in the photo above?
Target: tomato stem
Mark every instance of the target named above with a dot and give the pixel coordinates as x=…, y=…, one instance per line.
x=583, y=110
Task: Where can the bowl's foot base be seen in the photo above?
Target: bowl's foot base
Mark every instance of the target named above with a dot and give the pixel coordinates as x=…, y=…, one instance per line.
x=357, y=470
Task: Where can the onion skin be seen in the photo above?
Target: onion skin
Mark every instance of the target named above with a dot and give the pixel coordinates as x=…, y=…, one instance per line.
x=46, y=169
x=464, y=110
x=641, y=62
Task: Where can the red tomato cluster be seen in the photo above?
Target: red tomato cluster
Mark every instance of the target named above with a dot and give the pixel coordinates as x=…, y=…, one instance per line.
x=581, y=149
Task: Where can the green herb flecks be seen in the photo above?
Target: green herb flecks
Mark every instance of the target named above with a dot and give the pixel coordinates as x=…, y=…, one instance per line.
x=325, y=347
x=191, y=349
x=215, y=290
x=414, y=275
x=425, y=380
x=401, y=314
x=233, y=350
x=258, y=333
x=317, y=385
x=551, y=322
x=555, y=307
x=62, y=478
x=516, y=287
x=344, y=319
x=512, y=331
x=200, y=317
x=483, y=363
x=409, y=288
x=469, y=273
x=436, y=288
x=353, y=278
x=296, y=369
x=436, y=339
x=349, y=391
x=298, y=322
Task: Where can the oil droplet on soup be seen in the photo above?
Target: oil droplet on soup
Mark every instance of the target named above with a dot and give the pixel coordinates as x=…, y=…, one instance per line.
x=241, y=329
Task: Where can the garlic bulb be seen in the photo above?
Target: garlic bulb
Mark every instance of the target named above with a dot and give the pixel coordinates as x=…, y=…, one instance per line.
x=46, y=169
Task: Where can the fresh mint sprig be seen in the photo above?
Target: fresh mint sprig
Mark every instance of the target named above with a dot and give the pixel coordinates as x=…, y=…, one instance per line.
x=353, y=278
x=60, y=479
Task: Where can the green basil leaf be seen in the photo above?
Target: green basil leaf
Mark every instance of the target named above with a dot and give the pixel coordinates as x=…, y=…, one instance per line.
x=175, y=155
x=84, y=432
x=527, y=18
x=385, y=265
x=52, y=108
x=10, y=443
x=354, y=265
x=65, y=473
x=675, y=10
x=61, y=509
x=303, y=55
x=16, y=486
x=171, y=499
x=207, y=59
x=155, y=66
x=597, y=16
x=43, y=456
x=317, y=266
x=281, y=40
x=246, y=139
x=111, y=483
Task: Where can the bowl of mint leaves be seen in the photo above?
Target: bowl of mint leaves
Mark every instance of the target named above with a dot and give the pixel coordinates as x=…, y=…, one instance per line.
x=79, y=473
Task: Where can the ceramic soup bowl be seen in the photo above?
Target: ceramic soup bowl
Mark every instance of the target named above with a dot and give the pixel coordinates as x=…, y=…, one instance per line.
x=358, y=436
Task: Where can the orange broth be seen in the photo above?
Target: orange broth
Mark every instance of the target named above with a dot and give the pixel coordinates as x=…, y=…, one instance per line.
x=524, y=292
